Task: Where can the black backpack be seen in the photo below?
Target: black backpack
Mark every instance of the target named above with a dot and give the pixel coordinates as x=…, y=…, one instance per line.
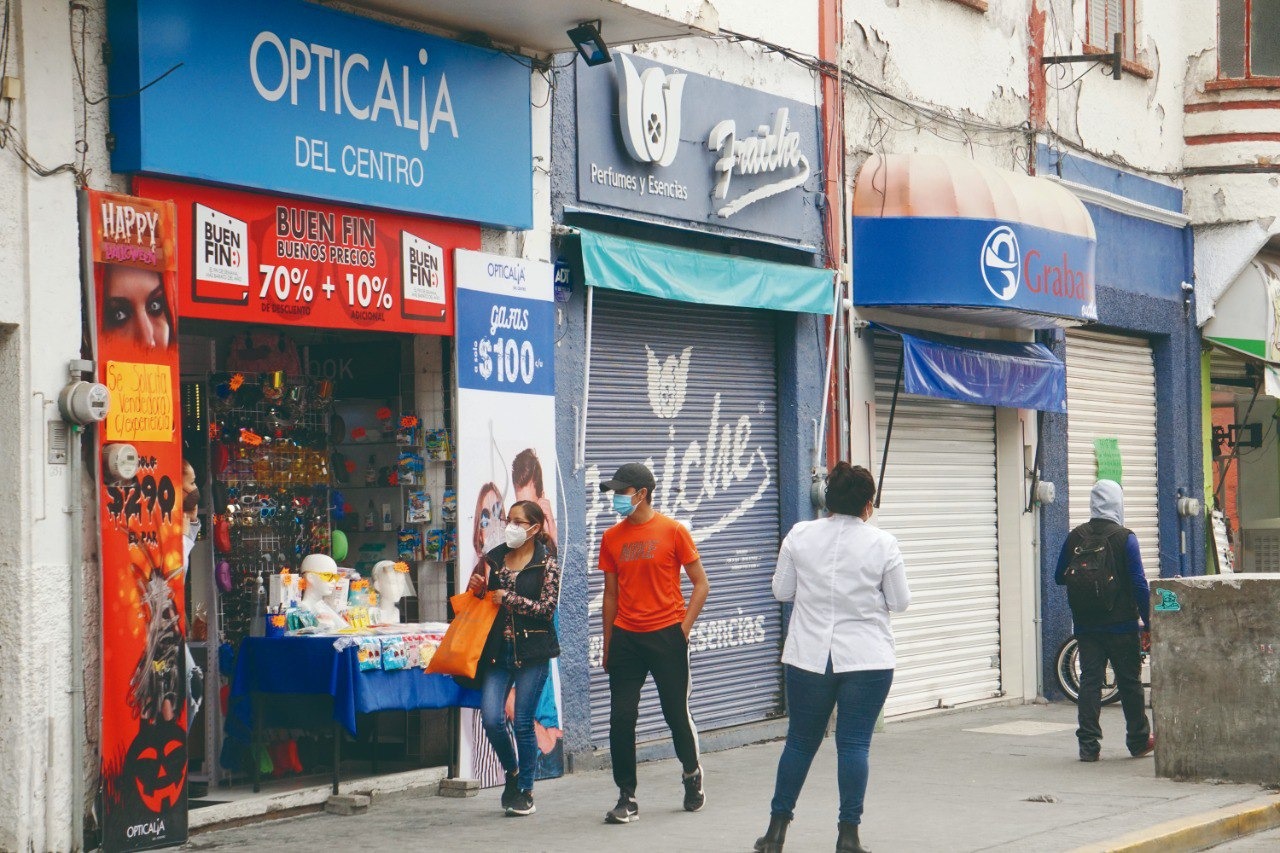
x=1096, y=579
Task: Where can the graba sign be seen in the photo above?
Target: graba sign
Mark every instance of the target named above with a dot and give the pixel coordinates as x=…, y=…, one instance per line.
x=655, y=139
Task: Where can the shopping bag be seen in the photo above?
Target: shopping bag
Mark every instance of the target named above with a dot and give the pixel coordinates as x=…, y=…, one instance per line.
x=463, y=643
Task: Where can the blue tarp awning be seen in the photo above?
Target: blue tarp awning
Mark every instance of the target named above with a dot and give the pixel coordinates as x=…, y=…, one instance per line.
x=653, y=269
x=989, y=373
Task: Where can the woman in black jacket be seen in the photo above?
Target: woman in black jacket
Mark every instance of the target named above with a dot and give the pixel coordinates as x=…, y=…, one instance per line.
x=525, y=581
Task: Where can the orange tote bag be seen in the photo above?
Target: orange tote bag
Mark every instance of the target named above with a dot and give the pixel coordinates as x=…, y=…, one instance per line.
x=460, y=650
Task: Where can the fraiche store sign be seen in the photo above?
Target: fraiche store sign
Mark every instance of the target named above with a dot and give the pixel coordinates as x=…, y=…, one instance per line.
x=655, y=139
x=292, y=97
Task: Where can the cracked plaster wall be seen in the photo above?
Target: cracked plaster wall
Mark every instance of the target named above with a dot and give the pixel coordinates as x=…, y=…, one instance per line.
x=746, y=63
x=1134, y=119
x=946, y=55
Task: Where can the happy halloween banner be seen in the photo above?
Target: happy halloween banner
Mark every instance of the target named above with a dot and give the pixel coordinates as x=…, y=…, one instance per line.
x=144, y=692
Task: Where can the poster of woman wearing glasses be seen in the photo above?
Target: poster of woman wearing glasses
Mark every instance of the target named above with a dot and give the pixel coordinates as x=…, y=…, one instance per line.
x=143, y=709
x=506, y=450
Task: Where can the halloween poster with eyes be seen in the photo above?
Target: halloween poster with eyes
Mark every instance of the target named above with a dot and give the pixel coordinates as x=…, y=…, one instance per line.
x=144, y=738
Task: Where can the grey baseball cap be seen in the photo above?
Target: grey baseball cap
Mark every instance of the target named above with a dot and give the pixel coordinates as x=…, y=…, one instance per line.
x=632, y=475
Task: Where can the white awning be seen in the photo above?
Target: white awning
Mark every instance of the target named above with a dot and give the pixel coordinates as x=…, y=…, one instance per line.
x=1245, y=317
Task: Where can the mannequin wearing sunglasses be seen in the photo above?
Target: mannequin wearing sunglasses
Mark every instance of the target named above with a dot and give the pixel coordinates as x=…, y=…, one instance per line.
x=321, y=574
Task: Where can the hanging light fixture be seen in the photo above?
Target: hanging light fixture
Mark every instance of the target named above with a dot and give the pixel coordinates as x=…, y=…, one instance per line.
x=586, y=38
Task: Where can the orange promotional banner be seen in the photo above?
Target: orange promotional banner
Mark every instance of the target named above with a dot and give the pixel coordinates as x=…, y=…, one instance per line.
x=144, y=691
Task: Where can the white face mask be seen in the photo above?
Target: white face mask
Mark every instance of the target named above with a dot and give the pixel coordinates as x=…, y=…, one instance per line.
x=515, y=535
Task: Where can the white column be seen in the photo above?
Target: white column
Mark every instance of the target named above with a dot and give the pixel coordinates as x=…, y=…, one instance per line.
x=40, y=300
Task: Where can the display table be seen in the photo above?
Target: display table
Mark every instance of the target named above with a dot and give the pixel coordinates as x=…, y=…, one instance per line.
x=311, y=665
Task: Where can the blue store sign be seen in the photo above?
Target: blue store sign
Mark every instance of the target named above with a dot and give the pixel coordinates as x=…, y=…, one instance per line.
x=291, y=97
x=935, y=232
x=506, y=324
x=655, y=139
x=910, y=261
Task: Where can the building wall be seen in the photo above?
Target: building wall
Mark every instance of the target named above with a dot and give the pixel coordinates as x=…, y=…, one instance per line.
x=1141, y=266
x=1230, y=178
x=801, y=338
x=40, y=331
x=40, y=315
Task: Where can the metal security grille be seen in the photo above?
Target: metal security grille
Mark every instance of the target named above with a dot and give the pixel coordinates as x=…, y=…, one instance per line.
x=939, y=500
x=691, y=391
x=1111, y=393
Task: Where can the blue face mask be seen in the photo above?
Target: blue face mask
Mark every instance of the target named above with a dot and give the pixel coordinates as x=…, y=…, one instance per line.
x=622, y=505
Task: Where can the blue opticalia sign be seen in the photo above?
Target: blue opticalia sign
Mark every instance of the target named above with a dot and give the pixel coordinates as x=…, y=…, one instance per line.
x=506, y=320
x=292, y=97
x=973, y=263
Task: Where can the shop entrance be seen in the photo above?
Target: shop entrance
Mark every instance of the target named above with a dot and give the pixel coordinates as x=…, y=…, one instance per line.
x=694, y=396
x=1246, y=518
x=1111, y=398
x=939, y=500
x=300, y=446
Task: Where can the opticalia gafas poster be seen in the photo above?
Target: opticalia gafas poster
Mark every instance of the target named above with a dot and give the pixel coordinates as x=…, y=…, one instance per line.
x=144, y=691
x=507, y=452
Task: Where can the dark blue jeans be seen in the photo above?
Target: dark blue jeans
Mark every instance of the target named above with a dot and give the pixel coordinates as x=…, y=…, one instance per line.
x=811, y=698
x=528, y=681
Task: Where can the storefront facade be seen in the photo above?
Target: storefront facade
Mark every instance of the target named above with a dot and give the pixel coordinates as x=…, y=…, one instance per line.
x=958, y=270
x=954, y=262
x=1133, y=385
x=1241, y=366
x=693, y=301
x=327, y=277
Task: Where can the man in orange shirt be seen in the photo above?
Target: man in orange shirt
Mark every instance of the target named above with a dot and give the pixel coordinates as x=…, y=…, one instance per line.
x=646, y=630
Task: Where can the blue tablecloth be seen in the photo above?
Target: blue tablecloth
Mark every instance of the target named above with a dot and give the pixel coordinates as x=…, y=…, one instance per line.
x=312, y=665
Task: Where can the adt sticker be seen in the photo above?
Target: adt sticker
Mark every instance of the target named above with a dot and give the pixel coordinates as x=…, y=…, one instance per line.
x=1168, y=601
x=563, y=281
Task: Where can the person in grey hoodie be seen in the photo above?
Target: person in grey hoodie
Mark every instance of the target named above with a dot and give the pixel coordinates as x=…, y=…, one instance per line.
x=1109, y=633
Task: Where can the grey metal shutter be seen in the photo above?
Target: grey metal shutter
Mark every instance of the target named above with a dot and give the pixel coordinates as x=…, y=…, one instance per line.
x=939, y=500
x=1111, y=392
x=693, y=388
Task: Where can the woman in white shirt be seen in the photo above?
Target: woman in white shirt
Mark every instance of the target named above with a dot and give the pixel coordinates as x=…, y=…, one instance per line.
x=843, y=577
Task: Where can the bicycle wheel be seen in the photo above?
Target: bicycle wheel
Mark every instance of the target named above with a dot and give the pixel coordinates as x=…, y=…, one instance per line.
x=1067, y=671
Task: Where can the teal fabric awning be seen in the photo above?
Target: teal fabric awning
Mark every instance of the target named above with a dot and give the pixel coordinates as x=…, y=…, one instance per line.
x=684, y=275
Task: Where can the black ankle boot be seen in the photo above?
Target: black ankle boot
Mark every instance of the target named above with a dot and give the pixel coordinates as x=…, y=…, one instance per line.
x=510, y=789
x=774, y=836
x=848, y=840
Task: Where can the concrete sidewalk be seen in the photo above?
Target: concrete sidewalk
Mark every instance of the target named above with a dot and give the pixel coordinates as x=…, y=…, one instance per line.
x=993, y=779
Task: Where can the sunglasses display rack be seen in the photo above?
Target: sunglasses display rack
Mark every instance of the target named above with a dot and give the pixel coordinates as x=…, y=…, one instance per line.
x=391, y=505
x=272, y=490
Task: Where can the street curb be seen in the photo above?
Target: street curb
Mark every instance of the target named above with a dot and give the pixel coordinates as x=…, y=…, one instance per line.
x=291, y=802
x=1197, y=832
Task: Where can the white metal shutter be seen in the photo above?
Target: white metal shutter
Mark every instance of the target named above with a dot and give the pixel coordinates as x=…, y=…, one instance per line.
x=1111, y=393
x=685, y=387
x=939, y=500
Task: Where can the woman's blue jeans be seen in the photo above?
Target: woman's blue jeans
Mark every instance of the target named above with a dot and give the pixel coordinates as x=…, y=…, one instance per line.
x=811, y=697
x=528, y=681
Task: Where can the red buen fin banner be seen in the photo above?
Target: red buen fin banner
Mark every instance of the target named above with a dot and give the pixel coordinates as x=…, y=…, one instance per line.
x=144, y=695
x=261, y=259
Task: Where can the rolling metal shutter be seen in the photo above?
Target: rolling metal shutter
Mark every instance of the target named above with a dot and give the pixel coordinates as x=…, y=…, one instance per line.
x=691, y=391
x=939, y=500
x=1111, y=392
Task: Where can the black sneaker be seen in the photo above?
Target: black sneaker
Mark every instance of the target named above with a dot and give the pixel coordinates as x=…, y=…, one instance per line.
x=521, y=804
x=510, y=790
x=626, y=811
x=1086, y=755
x=694, y=797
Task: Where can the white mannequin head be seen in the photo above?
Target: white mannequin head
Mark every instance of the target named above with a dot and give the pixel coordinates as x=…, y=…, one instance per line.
x=392, y=583
x=321, y=574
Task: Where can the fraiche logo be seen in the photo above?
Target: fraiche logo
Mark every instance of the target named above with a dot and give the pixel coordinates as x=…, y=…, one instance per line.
x=1000, y=263
x=649, y=112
